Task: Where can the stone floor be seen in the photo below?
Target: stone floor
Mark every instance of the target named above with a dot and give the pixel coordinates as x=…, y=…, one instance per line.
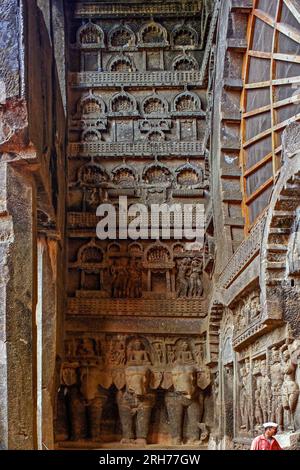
x=89, y=445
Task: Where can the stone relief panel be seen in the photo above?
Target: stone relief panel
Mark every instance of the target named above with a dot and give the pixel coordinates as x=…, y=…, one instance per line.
x=135, y=370
x=152, y=271
x=268, y=387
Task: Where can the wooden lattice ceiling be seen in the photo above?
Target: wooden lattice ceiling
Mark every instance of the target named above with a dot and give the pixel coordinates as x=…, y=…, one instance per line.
x=271, y=97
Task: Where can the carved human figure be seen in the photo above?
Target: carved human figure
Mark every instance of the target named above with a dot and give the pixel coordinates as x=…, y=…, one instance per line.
x=134, y=285
x=137, y=354
x=182, y=278
x=119, y=280
x=185, y=397
x=195, y=283
x=257, y=402
x=245, y=397
x=264, y=398
x=276, y=376
x=290, y=390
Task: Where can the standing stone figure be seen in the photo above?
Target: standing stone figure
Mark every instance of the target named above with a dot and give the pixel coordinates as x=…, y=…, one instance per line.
x=245, y=397
x=276, y=375
x=264, y=391
x=195, y=283
x=290, y=390
x=136, y=399
x=182, y=278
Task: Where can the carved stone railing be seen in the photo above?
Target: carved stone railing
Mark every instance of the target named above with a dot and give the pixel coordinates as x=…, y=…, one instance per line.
x=159, y=78
x=249, y=334
x=137, y=307
x=244, y=254
x=189, y=8
x=136, y=149
x=89, y=220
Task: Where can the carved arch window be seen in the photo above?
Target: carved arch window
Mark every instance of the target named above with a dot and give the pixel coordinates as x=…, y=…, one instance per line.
x=155, y=105
x=124, y=176
x=189, y=175
x=121, y=63
x=91, y=105
x=121, y=37
x=153, y=34
x=90, y=36
x=156, y=135
x=123, y=104
x=187, y=102
x=91, y=135
x=185, y=63
x=92, y=175
x=157, y=173
x=270, y=99
x=90, y=253
x=184, y=36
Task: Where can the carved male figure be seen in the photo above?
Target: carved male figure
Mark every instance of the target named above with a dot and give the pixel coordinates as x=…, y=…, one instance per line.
x=290, y=389
x=276, y=375
x=182, y=278
x=264, y=399
x=195, y=283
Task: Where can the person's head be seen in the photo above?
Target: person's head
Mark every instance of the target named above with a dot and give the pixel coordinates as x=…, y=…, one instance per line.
x=270, y=429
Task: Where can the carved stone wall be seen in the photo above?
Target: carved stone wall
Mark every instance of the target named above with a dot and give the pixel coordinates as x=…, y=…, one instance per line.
x=135, y=309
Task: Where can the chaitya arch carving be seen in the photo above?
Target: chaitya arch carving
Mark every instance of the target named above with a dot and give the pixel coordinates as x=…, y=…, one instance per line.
x=92, y=175
x=123, y=104
x=153, y=35
x=91, y=105
x=187, y=103
x=155, y=106
x=90, y=36
x=121, y=63
x=157, y=174
x=121, y=37
x=184, y=36
x=189, y=175
x=185, y=62
x=124, y=175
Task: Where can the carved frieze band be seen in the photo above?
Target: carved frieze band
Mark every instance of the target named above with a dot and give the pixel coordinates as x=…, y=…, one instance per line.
x=247, y=250
x=136, y=149
x=103, y=10
x=137, y=307
x=157, y=78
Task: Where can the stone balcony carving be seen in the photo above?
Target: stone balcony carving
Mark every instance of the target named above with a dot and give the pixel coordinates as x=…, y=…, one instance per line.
x=169, y=9
x=138, y=307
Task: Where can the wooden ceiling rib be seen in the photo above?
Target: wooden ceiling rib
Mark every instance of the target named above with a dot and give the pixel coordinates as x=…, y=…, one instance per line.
x=271, y=111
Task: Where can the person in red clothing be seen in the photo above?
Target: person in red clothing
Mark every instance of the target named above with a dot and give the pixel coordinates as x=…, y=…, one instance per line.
x=267, y=441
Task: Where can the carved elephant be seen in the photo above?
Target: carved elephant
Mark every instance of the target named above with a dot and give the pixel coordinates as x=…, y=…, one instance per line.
x=185, y=387
x=87, y=390
x=136, y=398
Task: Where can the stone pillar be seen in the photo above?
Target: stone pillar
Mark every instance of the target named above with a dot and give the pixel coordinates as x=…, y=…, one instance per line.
x=46, y=324
x=17, y=310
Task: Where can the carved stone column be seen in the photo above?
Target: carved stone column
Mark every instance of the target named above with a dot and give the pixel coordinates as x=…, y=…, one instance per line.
x=17, y=310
